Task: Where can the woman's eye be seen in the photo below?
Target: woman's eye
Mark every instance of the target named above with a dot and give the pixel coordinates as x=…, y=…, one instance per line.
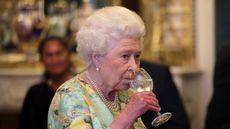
x=137, y=56
x=125, y=56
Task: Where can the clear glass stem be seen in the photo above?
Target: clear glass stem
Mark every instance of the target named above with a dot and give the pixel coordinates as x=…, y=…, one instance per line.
x=158, y=113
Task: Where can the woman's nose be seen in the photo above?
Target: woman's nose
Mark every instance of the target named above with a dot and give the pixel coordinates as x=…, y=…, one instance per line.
x=133, y=64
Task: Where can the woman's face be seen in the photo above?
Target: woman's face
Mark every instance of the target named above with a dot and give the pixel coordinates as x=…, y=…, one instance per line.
x=55, y=58
x=114, y=65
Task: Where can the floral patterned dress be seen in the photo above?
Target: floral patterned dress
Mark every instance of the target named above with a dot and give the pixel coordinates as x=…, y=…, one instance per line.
x=77, y=106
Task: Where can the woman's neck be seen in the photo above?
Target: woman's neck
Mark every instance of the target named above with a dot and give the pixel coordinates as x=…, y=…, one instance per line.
x=93, y=77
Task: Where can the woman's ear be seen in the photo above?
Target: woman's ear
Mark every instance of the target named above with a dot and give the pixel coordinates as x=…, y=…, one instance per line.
x=96, y=59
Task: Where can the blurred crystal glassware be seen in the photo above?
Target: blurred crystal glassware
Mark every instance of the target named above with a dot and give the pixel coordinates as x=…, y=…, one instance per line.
x=80, y=15
x=58, y=18
x=8, y=38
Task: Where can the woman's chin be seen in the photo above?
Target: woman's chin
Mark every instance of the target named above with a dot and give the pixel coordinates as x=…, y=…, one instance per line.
x=125, y=85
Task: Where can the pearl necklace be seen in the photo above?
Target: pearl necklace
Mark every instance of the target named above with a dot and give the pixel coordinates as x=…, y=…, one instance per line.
x=112, y=105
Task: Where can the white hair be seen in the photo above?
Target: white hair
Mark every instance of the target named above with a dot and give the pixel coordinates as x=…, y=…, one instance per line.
x=104, y=25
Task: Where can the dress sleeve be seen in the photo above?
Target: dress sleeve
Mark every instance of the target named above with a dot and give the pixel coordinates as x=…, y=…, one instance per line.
x=69, y=110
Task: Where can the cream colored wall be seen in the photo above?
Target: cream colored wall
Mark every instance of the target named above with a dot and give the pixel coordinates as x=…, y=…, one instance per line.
x=14, y=84
x=195, y=84
x=205, y=51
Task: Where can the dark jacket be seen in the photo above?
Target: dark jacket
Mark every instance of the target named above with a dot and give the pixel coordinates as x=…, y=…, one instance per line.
x=35, y=107
x=218, y=115
x=168, y=96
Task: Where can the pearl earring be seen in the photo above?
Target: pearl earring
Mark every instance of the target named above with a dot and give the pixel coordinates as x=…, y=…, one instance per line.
x=97, y=69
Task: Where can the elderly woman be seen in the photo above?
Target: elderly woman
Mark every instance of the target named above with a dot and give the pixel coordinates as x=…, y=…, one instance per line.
x=110, y=43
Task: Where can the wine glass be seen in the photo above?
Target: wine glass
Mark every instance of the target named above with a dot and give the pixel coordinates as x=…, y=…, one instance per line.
x=143, y=82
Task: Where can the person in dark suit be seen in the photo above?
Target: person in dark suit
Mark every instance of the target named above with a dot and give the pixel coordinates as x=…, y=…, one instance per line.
x=168, y=96
x=218, y=113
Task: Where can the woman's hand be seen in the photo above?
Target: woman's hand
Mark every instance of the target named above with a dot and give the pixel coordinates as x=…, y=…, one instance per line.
x=138, y=104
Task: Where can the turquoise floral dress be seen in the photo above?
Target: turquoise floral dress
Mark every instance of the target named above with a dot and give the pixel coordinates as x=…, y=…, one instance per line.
x=77, y=106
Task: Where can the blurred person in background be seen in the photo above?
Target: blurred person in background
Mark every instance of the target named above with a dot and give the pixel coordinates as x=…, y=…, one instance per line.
x=54, y=55
x=218, y=113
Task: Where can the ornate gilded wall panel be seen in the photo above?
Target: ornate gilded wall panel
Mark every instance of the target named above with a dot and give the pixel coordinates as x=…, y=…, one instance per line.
x=169, y=38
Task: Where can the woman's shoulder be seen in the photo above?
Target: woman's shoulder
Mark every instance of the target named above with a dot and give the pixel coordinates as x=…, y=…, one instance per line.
x=69, y=98
x=68, y=94
x=74, y=85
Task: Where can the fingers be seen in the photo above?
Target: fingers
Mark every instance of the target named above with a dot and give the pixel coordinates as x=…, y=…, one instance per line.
x=140, y=102
x=146, y=101
x=149, y=101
